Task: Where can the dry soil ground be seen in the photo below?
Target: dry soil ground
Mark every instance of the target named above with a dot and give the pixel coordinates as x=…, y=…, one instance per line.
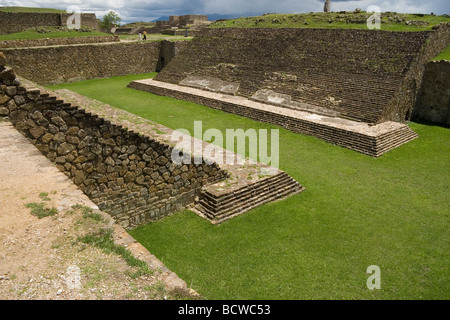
x=42, y=258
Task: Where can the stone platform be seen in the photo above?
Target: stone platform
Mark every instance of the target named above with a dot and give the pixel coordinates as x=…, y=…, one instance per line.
x=369, y=139
x=248, y=185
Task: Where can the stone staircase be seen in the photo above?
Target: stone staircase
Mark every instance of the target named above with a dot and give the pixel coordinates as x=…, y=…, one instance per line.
x=219, y=202
x=391, y=140
x=371, y=139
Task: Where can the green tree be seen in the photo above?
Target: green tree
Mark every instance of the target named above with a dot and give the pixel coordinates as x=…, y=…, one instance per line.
x=109, y=19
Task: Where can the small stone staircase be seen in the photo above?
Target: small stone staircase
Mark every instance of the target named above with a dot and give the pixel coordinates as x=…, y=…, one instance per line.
x=220, y=202
x=393, y=139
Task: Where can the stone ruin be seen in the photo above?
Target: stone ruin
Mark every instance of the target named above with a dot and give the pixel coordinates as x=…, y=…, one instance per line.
x=183, y=21
x=282, y=76
x=12, y=22
x=124, y=163
x=353, y=88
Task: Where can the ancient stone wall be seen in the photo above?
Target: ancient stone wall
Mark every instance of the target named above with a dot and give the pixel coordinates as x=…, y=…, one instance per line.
x=59, y=64
x=352, y=73
x=57, y=41
x=67, y=63
x=401, y=106
x=433, y=103
x=169, y=50
x=127, y=174
x=87, y=20
x=181, y=21
x=12, y=22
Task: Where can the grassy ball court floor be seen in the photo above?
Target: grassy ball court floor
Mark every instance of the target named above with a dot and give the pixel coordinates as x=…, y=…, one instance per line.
x=357, y=211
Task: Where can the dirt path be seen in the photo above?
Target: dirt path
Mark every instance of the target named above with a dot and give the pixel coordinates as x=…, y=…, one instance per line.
x=42, y=258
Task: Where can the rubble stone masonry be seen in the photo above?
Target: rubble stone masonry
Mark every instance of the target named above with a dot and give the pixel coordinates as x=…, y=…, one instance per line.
x=127, y=174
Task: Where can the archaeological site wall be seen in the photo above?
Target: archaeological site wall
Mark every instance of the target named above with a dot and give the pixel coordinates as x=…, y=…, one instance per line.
x=67, y=63
x=127, y=174
x=362, y=75
x=169, y=49
x=57, y=41
x=433, y=103
x=12, y=22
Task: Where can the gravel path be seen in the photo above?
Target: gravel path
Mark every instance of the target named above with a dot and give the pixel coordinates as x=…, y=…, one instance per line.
x=42, y=258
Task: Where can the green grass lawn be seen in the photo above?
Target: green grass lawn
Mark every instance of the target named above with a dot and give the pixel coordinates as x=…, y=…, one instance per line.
x=334, y=20
x=357, y=211
x=444, y=55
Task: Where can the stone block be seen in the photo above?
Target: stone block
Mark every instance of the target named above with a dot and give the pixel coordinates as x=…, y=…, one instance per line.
x=4, y=98
x=2, y=59
x=37, y=132
x=8, y=74
x=4, y=111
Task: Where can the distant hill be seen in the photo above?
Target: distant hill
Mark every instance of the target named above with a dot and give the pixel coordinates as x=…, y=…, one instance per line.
x=214, y=17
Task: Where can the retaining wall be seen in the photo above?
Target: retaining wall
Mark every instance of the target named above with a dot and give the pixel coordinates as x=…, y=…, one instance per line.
x=433, y=103
x=356, y=74
x=59, y=64
x=68, y=63
x=57, y=41
x=401, y=106
x=12, y=22
x=127, y=174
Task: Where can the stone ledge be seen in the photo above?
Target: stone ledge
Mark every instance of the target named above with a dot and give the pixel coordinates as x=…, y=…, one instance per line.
x=243, y=174
x=369, y=139
x=57, y=41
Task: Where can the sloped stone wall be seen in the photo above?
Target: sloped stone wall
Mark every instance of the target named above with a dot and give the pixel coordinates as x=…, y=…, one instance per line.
x=401, y=106
x=127, y=174
x=354, y=73
x=59, y=64
x=57, y=41
x=12, y=22
x=433, y=103
x=68, y=63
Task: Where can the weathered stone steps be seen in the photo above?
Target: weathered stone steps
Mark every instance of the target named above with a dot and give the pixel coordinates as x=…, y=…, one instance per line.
x=218, y=208
x=370, y=140
x=215, y=198
x=395, y=139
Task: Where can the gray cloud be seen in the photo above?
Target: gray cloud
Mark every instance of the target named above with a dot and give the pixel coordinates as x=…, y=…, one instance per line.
x=147, y=10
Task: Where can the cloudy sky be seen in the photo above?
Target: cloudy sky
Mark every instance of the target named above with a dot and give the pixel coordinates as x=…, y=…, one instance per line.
x=148, y=10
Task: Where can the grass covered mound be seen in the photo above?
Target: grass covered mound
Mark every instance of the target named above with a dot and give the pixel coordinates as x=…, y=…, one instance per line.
x=31, y=9
x=390, y=21
x=356, y=212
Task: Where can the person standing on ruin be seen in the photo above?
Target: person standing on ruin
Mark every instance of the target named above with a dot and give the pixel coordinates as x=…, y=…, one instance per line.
x=145, y=35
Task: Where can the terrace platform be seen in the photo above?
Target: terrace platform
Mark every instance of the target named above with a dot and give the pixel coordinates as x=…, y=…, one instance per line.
x=370, y=139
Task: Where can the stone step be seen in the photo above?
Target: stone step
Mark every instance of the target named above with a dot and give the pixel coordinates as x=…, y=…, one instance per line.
x=357, y=136
x=225, y=207
x=236, y=193
x=250, y=197
x=249, y=204
x=233, y=199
